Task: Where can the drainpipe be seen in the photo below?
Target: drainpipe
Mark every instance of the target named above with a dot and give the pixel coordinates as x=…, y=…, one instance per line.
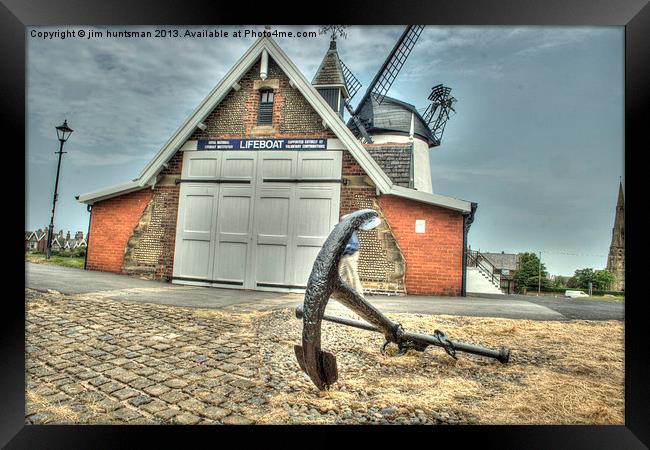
x=468, y=218
x=412, y=163
x=89, y=208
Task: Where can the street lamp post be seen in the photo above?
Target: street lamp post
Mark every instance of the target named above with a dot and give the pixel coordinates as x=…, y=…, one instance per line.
x=63, y=132
x=539, y=275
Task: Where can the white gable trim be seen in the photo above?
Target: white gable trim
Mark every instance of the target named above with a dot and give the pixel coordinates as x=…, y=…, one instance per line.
x=298, y=80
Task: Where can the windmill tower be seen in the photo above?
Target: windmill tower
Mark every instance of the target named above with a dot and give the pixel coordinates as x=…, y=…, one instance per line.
x=616, y=258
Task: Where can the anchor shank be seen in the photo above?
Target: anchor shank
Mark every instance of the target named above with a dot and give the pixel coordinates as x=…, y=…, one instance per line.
x=351, y=299
x=342, y=321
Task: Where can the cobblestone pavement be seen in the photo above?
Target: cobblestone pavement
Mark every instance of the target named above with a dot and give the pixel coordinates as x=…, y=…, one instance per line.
x=102, y=361
x=95, y=360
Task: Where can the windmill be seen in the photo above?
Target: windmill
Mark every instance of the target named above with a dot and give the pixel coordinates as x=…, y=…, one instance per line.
x=365, y=115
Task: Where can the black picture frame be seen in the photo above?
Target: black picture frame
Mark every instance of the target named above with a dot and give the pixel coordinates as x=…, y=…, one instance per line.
x=634, y=15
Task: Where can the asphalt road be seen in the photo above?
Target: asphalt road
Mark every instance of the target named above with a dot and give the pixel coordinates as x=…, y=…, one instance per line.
x=125, y=288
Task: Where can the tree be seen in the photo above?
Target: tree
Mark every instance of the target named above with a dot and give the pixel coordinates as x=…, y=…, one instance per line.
x=584, y=276
x=528, y=274
x=604, y=279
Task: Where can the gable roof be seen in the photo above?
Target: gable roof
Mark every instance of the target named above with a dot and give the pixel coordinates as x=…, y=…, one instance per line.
x=507, y=261
x=147, y=176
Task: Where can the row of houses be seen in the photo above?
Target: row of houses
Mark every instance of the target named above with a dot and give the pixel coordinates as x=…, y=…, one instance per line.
x=36, y=241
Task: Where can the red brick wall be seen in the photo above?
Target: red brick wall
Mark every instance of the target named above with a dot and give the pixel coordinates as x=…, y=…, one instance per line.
x=111, y=224
x=434, y=259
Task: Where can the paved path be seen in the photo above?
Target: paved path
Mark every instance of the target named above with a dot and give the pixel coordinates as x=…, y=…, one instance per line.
x=119, y=287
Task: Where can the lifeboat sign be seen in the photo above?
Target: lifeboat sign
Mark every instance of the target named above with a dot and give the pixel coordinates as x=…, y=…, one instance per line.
x=263, y=144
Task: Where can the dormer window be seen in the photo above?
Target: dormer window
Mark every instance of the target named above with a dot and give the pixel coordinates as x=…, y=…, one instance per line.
x=265, y=116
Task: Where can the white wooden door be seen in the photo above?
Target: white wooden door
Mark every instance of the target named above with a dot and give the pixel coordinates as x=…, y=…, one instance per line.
x=255, y=220
x=196, y=220
x=297, y=205
x=316, y=212
x=234, y=219
x=194, y=254
x=273, y=209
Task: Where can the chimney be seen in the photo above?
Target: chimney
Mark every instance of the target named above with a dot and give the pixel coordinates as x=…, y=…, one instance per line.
x=67, y=238
x=79, y=235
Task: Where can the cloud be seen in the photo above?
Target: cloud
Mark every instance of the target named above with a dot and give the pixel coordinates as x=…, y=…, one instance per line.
x=487, y=51
x=122, y=97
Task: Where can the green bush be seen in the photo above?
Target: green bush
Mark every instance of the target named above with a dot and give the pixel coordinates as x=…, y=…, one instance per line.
x=601, y=292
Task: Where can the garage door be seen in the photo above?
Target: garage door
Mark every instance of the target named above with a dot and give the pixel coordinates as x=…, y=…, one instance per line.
x=255, y=220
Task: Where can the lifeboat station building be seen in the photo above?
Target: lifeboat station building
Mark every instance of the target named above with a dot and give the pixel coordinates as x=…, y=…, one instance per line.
x=246, y=191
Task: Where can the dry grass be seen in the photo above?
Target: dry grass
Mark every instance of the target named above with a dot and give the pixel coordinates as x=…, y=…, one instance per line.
x=560, y=372
x=61, y=414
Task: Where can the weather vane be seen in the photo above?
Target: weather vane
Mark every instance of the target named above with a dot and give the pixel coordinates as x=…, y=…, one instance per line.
x=334, y=29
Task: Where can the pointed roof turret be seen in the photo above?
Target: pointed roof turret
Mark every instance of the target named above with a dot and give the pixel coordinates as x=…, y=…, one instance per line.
x=330, y=72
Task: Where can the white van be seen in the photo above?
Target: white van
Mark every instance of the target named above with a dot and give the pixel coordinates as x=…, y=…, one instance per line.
x=575, y=294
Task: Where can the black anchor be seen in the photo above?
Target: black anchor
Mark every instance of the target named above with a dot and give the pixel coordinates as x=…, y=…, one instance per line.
x=324, y=282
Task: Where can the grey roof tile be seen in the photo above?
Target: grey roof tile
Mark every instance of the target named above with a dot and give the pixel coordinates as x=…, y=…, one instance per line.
x=394, y=160
x=503, y=260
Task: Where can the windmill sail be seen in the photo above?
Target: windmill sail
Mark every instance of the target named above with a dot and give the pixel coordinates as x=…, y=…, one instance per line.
x=438, y=112
x=386, y=75
x=395, y=61
x=351, y=81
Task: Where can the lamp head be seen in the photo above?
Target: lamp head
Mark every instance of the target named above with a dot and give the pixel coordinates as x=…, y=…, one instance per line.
x=64, y=131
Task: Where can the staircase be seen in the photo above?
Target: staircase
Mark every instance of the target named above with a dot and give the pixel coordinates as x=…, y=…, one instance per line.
x=481, y=276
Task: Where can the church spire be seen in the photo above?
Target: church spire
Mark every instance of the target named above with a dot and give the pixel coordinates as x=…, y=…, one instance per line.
x=616, y=258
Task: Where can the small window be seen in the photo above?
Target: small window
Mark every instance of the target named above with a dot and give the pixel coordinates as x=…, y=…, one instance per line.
x=265, y=116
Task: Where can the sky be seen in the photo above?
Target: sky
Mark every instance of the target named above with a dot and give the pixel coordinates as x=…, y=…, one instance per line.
x=537, y=141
